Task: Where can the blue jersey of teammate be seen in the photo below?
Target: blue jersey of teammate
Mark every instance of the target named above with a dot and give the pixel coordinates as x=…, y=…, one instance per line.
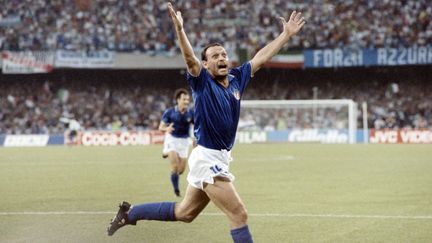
x=181, y=122
x=217, y=109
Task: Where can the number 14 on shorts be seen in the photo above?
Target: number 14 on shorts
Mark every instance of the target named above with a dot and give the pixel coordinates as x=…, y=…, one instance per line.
x=215, y=169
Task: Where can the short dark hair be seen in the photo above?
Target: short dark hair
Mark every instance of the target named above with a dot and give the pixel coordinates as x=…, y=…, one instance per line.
x=179, y=92
x=203, y=53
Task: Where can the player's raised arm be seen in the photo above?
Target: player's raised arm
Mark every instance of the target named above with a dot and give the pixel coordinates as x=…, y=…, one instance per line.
x=192, y=62
x=290, y=28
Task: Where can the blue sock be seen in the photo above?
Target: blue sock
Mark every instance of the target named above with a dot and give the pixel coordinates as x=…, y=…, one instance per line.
x=241, y=235
x=175, y=180
x=161, y=211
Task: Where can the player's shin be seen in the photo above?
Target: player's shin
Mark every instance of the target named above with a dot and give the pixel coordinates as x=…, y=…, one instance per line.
x=160, y=211
x=175, y=181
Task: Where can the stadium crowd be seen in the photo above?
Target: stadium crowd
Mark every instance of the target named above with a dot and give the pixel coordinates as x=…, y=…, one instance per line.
x=144, y=25
x=390, y=105
x=37, y=107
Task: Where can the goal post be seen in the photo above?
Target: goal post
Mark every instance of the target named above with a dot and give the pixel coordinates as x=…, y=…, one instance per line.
x=323, y=121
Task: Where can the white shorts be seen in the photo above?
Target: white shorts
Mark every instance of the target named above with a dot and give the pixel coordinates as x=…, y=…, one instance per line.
x=179, y=145
x=205, y=164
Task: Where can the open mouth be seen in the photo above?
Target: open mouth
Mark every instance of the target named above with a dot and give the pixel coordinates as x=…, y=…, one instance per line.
x=222, y=66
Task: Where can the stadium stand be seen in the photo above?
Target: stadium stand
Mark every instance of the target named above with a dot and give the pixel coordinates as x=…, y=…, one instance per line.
x=129, y=26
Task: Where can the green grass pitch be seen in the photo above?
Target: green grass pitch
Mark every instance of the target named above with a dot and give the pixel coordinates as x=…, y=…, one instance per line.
x=293, y=193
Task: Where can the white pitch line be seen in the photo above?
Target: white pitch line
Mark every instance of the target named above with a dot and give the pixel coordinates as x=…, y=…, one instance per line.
x=295, y=215
x=301, y=215
x=57, y=213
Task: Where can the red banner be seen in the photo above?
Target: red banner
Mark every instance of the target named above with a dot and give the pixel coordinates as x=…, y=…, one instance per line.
x=400, y=136
x=27, y=62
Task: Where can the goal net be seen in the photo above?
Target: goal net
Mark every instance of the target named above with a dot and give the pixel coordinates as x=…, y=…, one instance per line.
x=319, y=121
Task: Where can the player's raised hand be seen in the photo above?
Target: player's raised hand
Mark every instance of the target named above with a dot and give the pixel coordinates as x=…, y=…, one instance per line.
x=176, y=17
x=294, y=24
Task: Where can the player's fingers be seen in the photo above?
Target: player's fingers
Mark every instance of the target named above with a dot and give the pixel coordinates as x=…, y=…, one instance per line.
x=297, y=17
x=171, y=11
x=301, y=24
x=282, y=20
x=292, y=15
x=170, y=7
x=300, y=20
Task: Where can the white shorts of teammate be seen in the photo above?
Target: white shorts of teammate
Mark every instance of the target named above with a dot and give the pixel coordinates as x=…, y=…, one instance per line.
x=205, y=164
x=179, y=145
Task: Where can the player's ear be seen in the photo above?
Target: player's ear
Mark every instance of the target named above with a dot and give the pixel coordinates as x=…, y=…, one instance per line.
x=205, y=64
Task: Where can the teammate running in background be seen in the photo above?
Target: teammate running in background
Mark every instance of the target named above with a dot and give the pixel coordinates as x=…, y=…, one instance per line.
x=71, y=133
x=176, y=122
x=216, y=92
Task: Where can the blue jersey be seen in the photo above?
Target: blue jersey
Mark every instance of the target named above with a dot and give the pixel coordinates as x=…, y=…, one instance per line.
x=181, y=122
x=217, y=109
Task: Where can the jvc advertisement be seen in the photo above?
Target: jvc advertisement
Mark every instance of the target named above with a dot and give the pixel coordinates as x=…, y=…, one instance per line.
x=332, y=58
x=415, y=136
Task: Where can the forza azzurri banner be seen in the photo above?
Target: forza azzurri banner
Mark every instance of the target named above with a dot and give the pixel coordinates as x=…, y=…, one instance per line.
x=331, y=58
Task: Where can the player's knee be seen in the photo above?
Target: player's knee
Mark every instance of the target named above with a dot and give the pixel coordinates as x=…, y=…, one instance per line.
x=181, y=167
x=189, y=218
x=186, y=217
x=184, y=214
x=181, y=170
x=240, y=215
x=175, y=168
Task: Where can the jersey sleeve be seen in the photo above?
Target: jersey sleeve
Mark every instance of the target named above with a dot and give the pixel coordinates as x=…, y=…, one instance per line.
x=166, y=117
x=197, y=83
x=243, y=75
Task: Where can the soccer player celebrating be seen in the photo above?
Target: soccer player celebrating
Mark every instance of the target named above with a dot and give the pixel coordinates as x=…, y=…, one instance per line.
x=176, y=122
x=216, y=91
